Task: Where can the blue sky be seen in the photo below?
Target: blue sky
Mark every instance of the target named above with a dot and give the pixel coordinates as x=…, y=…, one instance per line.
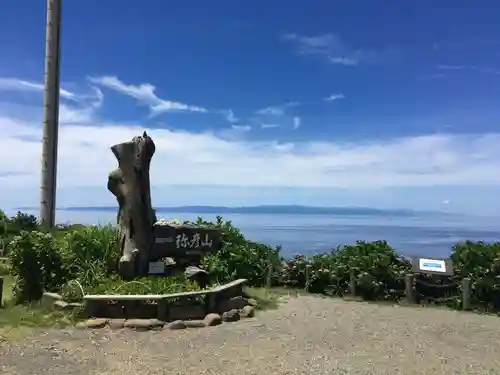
x=382, y=104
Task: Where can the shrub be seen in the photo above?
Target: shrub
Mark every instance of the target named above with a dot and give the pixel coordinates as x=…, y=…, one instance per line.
x=377, y=268
x=37, y=264
x=238, y=257
x=481, y=263
x=91, y=253
x=11, y=227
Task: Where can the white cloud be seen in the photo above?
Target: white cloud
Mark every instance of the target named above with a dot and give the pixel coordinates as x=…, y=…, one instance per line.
x=145, y=93
x=330, y=47
x=271, y=111
x=242, y=128
x=269, y=126
x=15, y=84
x=326, y=45
x=230, y=117
x=334, y=97
x=276, y=110
x=296, y=122
x=451, y=67
x=85, y=159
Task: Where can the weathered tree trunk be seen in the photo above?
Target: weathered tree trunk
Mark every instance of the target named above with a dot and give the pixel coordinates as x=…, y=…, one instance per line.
x=130, y=184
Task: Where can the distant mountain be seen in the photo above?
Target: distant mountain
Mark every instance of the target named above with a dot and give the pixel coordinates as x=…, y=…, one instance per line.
x=289, y=210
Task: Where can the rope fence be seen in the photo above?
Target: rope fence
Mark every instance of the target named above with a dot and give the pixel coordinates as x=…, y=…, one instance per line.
x=417, y=288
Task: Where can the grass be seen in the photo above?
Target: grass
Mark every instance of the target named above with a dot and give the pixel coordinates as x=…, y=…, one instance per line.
x=269, y=298
x=7, y=288
x=17, y=321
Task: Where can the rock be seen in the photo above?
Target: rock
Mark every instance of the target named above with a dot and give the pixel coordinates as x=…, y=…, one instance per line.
x=178, y=324
x=198, y=275
x=157, y=324
x=194, y=323
x=116, y=323
x=236, y=303
x=143, y=324
x=247, y=312
x=212, y=320
x=253, y=302
x=96, y=323
x=48, y=300
x=231, y=316
x=61, y=305
x=80, y=325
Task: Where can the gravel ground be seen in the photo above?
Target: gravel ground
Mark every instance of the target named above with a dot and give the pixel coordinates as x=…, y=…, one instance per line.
x=306, y=335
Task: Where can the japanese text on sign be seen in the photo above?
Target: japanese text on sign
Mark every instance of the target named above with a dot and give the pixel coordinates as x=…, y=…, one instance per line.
x=193, y=242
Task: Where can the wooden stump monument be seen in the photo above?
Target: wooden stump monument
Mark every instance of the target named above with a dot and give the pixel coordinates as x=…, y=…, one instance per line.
x=130, y=184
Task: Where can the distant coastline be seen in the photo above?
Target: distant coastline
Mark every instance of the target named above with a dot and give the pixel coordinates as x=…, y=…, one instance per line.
x=284, y=209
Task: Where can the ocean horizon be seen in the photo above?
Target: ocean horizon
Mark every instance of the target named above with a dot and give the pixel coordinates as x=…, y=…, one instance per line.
x=312, y=230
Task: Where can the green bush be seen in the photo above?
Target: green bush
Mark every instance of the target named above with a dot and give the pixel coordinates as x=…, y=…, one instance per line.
x=90, y=253
x=377, y=268
x=481, y=263
x=37, y=265
x=238, y=257
x=4, y=269
x=11, y=227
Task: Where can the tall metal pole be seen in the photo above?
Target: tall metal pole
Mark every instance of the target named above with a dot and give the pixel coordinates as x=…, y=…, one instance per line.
x=50, y=115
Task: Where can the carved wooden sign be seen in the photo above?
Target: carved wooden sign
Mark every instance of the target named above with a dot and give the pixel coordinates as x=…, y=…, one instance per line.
x=179, y=240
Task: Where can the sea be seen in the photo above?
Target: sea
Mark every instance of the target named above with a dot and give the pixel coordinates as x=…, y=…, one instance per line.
x=418, y=234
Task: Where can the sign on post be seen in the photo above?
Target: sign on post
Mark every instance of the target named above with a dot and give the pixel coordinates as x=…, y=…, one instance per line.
x=157, y=268
x=433, y=266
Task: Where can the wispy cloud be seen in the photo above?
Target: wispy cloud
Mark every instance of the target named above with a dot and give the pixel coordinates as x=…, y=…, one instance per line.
x=451, y=67
x=334, y=50
x=328, y=46
x=15, y=84
x=431, y=76
x=145, y=94
x=242, y=128
x=296, y=122
x=277, y=110
x=269, y=126
x=334, y=97
x=229, y=115
x=77, y=109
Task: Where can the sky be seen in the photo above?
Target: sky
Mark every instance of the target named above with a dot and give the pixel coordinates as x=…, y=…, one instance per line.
x=387, y=104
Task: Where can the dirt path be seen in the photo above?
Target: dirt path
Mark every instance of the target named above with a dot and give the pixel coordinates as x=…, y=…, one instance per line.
x=306, y=335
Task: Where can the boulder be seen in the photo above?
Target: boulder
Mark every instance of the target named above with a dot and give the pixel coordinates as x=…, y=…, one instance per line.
x=198, y=275
x=178, y=324
x=237, y=303
x=61, y=305
x=143, y=324
x=48, y=300
x=253, y=302
x=194, y=323
x=247, y=312
x=212, y=320
x=231, y=316
x=116, y=323
x=96, y=323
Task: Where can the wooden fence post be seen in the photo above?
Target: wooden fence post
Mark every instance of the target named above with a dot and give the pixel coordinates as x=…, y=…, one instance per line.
x=269, y=276
x=308, y=278
x=352, y=283
x=466, y=291
x=1, y=291
x=409, y=293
